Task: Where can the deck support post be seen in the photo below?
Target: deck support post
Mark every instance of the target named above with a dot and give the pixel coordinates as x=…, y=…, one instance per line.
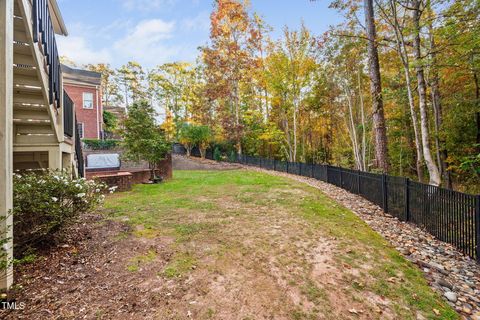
x=55, y=158
x=6, y=142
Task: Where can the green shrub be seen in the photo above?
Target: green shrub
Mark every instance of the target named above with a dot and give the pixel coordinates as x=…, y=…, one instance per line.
x=232, y=157
x=47, y=201
x=217, y=155
x=96, y=144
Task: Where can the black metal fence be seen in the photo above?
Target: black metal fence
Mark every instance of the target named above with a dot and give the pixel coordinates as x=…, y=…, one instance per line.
x=450, y=216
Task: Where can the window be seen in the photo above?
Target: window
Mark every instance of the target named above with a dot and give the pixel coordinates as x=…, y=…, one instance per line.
x=87, y=100
x=81, y=129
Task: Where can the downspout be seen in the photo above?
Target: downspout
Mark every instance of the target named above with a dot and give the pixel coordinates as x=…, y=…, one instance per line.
x=98, y=118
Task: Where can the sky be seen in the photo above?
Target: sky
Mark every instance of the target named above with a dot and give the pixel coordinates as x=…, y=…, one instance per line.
x=154, y=32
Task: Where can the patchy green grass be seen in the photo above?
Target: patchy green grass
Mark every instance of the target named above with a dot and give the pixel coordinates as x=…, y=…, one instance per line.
x=243, y=222
x=136, y=262
x=181, y=264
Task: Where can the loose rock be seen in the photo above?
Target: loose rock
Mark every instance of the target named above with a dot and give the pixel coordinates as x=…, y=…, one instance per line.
x=451, y=296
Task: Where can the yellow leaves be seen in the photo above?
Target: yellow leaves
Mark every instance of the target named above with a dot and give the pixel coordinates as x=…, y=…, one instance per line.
x=169, y=126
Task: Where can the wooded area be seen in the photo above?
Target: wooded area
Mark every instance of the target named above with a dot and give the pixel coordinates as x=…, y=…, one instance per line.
x=394, y=88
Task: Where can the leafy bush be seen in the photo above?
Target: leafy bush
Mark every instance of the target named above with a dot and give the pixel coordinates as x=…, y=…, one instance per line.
x=217, y=155
x=232, y=157
x=96, y=144
x=47, y=201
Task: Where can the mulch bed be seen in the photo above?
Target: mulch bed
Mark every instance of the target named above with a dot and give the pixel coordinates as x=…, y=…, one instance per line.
x=62, y=269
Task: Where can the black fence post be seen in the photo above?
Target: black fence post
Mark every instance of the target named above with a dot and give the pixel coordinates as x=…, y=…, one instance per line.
x=311, y=170
x=274, y=165
x=287, y=167
x=299, y=165
x=341, y=178
x=328, y=176
x=358, y=181
x=384, y=193
x=407, y=199
x=477, y=227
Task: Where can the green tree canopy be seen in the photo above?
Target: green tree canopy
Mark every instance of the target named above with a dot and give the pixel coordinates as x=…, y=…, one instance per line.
x=142, y=137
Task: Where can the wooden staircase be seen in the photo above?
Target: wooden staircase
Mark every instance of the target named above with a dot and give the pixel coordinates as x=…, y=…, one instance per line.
x=32, y=114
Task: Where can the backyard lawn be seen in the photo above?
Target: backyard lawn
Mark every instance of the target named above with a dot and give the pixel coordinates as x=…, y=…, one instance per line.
x=246, y=245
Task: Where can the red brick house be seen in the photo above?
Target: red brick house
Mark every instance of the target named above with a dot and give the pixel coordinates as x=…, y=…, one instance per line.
x=84, y=88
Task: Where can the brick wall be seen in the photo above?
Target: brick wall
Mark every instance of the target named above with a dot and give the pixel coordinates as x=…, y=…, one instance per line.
x=91, y=118
x=121, y=180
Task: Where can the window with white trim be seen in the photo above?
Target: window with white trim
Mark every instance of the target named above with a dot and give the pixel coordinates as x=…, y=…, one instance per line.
x=81, y=129
x=87, y=100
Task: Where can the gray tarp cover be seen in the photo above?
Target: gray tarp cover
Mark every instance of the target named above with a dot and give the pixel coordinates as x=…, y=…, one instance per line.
x=103, y=160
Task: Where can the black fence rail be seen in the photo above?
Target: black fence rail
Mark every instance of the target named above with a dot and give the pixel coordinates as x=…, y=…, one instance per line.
x=450, y=216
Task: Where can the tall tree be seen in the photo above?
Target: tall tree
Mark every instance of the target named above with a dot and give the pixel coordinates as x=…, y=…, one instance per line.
x=170, y=83
x=380, y=130
x=397, y=21
x=228, y=58
x=131, y=77
x=422, y=94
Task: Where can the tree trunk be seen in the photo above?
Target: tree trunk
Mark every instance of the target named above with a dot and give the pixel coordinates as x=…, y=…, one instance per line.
x=403, y=54
x=237, y=119
x=352, y=130
x=295, y=108
x=442, y=153
x=477, y=102
x=288, y=136
x=364, y=125
x=381, y=149
x=422, y=97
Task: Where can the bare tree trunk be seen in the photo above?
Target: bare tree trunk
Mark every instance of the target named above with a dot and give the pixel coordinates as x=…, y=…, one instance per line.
x=403, y=53
x=364, y=129
x=422, y=97
x=237, y=119
x=381, y=149
x=288, y=136
x=352, y=130
x=295, y=108
x=477, y=98
x=441, y=150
